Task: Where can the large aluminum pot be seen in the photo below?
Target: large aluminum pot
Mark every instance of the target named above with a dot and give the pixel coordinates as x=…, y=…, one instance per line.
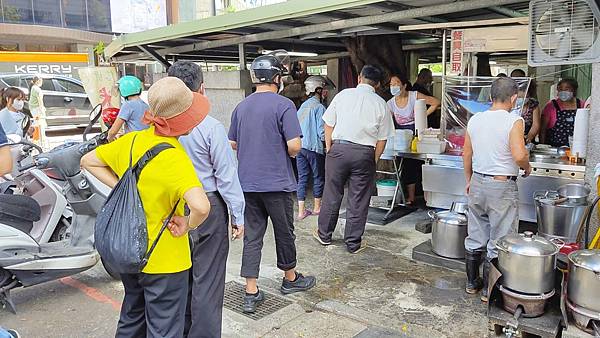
x=527, y=263
x=584, y=279
x=575, y=193
x=448, y=233
x=561, y=221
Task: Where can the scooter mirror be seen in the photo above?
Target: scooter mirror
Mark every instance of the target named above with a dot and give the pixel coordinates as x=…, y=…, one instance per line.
x=95, y=112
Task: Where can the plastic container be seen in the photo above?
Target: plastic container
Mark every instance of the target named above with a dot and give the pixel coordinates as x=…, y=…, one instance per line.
x=402, y=139
x=437, y=147
x=386, y=187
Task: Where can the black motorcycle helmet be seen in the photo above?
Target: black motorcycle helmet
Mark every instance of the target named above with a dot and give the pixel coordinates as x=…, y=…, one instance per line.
x=265, y=68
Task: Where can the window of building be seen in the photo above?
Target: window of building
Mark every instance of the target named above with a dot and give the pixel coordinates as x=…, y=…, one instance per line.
x=17, y=11
x=99, y=15
x=47, y=12
x=74, y=14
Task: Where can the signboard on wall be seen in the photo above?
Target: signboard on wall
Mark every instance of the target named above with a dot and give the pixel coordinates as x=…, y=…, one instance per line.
x=496, y=39
x=130, y=16
x=456, y=52
x=65, y=64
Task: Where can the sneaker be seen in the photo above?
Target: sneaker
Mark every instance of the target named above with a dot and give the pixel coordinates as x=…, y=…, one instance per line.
x=362, y=247
x=300, y=284
x=252, y=301
x=318, y=238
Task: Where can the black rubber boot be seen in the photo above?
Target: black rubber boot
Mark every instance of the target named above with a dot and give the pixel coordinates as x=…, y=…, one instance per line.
x=472, y=261
x=486, y=272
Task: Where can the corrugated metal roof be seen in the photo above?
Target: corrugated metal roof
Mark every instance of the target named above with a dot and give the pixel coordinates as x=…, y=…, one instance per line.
x=294, y=14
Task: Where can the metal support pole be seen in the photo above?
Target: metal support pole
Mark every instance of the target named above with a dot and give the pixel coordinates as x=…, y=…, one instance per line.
x=153, y=54
x=444, y=65
x=242, y=53
x=212, y=9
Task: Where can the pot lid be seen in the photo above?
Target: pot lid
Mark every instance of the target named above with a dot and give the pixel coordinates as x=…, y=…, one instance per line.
x=451, y=217
x=587, y=259
x=527, y=244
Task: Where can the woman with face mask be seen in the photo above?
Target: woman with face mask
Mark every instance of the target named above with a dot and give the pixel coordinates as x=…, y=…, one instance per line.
x=11, y=105
x=402, y=108
x=531, y=113
x=558, y=117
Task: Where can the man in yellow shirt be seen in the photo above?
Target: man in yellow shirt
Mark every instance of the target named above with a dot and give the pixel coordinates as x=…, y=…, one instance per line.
x=155, y=299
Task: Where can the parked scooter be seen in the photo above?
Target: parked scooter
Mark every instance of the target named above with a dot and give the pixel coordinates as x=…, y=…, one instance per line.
x=25, y=261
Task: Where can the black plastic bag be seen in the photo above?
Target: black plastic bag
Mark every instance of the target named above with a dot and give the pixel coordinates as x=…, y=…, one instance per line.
x=121, y=234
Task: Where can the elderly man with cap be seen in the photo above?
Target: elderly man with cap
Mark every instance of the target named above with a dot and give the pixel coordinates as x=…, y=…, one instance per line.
x=357, y=126
x=155, y=299
x=265, y=131
x=214, y=161
x=493, y=152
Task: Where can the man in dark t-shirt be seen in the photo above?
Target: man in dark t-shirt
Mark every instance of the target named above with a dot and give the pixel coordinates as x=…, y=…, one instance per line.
x=266, y=132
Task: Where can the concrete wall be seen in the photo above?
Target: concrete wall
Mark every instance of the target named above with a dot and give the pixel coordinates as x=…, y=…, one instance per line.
x=593, y=148
x=225, y=90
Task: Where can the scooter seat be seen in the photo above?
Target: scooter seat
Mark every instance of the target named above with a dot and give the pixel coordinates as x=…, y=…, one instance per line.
x=19, y=211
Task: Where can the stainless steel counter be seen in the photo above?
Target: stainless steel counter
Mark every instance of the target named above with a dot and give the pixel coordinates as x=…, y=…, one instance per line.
x=444, y=180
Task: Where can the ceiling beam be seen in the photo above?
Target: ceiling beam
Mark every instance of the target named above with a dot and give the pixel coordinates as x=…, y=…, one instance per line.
x=154, y=55
x=419, y=12
x=511, y=13
x=463, y=24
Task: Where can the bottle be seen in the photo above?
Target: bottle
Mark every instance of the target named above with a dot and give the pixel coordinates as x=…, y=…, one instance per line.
x=413, y=143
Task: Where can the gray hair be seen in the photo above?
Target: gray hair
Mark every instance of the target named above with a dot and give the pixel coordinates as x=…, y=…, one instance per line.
x=188, y=72
x=503, y=89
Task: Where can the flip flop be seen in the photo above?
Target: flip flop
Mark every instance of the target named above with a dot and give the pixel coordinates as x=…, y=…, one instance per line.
x=304, y=215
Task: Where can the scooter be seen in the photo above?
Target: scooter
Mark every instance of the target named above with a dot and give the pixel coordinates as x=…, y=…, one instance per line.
x=24, y=261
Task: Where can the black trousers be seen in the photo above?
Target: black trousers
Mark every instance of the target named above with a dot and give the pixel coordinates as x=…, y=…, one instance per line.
x=354, y=164
x=209, y=245
x=154, y=305
x=279, y=206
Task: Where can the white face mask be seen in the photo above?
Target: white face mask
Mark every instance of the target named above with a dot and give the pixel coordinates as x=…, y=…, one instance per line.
x=18, y=104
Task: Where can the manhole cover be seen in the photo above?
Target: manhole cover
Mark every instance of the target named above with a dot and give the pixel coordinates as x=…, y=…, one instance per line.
x=234, y=299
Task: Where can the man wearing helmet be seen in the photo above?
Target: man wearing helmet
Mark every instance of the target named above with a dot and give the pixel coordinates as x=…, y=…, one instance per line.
x=132, y=111
x=311, y=158
x=266, y=132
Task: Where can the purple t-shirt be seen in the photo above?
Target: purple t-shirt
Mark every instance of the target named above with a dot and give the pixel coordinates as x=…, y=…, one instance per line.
x=261, y=125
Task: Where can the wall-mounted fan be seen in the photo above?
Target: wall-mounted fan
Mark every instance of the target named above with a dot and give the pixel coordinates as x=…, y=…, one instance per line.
x=563, y=32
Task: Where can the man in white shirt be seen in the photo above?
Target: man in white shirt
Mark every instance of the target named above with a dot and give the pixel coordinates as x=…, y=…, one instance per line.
x=357, y=126
x=493, y=153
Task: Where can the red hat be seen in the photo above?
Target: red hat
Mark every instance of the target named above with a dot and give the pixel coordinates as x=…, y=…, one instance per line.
x=174, y=109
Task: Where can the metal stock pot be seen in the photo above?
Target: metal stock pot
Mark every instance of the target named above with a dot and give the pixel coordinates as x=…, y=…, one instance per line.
x=584, y=279
x=527, y=263
x=448, y=233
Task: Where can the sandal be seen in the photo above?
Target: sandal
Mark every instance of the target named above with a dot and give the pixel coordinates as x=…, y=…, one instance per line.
x=304, y=215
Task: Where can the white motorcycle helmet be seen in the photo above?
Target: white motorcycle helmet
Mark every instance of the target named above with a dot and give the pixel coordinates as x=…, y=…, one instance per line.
x=313, y=83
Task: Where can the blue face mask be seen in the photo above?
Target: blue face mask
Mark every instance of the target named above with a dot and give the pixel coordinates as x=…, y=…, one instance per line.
x=395, y=90
x=565, y=95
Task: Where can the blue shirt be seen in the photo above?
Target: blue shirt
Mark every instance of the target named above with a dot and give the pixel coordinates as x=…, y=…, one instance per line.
x=310, y=116
x=133, y=112
x=3, y=138
x=11, y=121
x=261, y=125
x=208, y=147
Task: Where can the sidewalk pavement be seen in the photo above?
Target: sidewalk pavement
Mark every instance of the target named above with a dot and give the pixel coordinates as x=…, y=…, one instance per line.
x=379, y=292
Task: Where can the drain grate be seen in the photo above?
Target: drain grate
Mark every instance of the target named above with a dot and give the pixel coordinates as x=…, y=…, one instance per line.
x=234, y=300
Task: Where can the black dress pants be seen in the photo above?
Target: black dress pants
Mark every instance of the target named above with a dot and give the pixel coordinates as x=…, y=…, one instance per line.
x=209, y=245
x=354, y=164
